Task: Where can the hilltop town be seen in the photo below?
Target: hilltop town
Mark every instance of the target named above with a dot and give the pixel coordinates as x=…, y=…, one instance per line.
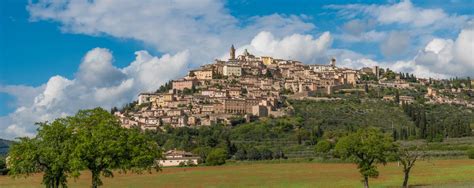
x=247, y=87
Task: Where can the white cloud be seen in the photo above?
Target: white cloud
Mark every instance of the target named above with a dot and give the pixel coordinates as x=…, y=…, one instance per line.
x=403, y=12
x=369, y=36
x=96, y=83
x=299, y=47
x=445, y=56
x=204, y=27
x=440, y=58
x=396, y=44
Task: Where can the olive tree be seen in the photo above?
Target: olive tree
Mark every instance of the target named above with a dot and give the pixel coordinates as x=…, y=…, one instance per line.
x=367, y=147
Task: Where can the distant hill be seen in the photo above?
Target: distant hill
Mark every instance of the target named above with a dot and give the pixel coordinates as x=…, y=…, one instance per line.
x=4, y=145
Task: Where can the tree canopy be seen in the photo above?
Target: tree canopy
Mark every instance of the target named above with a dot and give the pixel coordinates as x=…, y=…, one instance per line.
x=366, y=148
x=92, y=139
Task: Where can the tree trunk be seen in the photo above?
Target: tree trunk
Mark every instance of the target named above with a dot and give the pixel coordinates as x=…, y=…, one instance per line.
x=95, y=179
x=405, y=180
x=366, y=182
x=57, y=182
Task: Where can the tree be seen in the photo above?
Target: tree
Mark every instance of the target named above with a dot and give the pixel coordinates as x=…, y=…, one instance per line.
x=470, y=153
x=366, y=148
x=102, y=145
x=408, y=158
x=216, y=157
x=397, y=96
x=241, y=154
x=48, y=152
x=323, y=146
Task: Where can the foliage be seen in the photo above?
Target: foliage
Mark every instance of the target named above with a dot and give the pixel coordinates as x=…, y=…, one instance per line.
x=470, y=153
x=436, y=122
x=166, y=87
x=92, y=139
x=102, y=145
x=323, y=146
x=408, y=158
x=217, y=156
x=49, y=152
x=349, y=115
x=366, y=148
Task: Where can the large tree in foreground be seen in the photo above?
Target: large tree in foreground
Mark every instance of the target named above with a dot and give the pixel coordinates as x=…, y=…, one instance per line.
x=48, y=152
x=367, y=148
x=102, y=145
x=92, y=139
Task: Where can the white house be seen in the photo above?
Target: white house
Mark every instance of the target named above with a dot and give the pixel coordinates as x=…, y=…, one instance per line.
x=175, y=157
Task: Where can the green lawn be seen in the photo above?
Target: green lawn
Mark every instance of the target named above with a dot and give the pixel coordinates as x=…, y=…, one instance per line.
x=438, y=173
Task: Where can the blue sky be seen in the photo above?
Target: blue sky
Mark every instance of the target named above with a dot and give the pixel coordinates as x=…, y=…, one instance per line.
x=49, y=49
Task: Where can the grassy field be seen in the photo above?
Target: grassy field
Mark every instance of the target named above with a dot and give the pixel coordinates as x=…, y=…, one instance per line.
x=437, y=173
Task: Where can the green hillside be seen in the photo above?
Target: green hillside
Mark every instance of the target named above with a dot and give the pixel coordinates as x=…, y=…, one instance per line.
x=4, y=145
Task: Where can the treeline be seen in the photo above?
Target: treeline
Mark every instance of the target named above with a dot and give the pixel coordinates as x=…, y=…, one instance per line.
x=242, y=142
x=436, y=122
x=452, y=83
x=165, y=87
x=349, y=115
x=407, y=77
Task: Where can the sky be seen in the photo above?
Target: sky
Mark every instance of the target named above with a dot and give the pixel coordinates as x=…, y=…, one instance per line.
x=57, y=57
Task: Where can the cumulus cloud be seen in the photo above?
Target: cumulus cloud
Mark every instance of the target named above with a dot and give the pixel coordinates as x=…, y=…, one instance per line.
x=440, y=58
x=451, y=57
x=204, y=27
x=96, y=83
x=396, y=44
x=304, y=48
x=403, y=12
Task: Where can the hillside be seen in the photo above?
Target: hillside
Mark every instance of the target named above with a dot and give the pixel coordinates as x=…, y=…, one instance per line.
x=4, y=145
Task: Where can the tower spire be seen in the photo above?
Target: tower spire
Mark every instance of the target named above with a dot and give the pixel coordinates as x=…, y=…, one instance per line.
x=232, y=52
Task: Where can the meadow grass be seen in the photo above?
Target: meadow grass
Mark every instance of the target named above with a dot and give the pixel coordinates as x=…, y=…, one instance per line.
x=437, y=173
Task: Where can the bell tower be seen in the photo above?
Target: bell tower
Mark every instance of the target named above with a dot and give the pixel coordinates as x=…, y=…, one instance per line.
x=333, y=62
x=232, y=52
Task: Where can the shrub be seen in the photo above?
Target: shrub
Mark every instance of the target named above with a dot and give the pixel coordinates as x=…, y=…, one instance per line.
x=323, y=146
x=253, y=154
x=241, y=154
x=470, y=153
x=266, y=154
x=216, y=157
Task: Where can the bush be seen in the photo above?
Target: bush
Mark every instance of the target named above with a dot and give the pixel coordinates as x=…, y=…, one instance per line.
x=470, y=153
x=216, y=157
x=253, y=154
x=241, y=154
x=323, y=146
x=266, y=154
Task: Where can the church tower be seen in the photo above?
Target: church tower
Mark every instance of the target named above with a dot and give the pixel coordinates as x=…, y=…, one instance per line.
x=232, y=52
x=333, y=62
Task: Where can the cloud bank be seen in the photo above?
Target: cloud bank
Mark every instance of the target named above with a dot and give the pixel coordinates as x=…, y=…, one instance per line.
x=96, y=83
